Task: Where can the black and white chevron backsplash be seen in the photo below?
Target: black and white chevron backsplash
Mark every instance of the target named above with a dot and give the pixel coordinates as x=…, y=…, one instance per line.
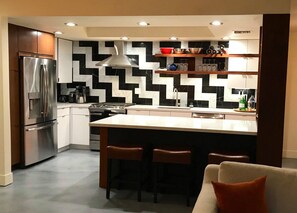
x=143, y=86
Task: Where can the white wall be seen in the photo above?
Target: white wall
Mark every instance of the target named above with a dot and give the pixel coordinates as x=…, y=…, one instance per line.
x=5, y=157
x=290, y=133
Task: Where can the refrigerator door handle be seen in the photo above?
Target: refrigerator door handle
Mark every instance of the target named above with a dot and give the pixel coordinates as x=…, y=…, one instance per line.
x=46, y=89
x=40, y=128
x=42, y=86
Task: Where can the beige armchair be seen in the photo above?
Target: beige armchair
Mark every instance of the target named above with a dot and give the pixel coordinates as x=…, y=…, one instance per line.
x=280, y=188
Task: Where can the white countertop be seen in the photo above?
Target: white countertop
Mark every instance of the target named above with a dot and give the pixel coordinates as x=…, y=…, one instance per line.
x=238, y=127
x=64, y=105
x=188, y=109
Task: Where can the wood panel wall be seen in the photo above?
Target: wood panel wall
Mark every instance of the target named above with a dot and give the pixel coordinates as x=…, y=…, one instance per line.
x=272, y=88
x=23, y=42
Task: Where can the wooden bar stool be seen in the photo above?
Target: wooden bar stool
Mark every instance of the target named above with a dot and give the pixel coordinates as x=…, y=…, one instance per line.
x=164, y=156
x=124, y=154
x=219, y=157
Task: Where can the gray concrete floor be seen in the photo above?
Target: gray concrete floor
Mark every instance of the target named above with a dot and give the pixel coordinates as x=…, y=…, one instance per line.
x=68, y=183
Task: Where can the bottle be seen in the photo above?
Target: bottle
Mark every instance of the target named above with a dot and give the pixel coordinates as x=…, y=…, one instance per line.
x=242, y=103
x=251, y=103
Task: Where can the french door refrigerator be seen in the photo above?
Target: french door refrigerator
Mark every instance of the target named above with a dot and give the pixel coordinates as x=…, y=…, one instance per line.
x=39, y=109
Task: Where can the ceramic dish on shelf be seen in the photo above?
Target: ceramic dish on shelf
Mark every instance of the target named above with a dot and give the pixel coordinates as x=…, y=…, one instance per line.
x=247, y=110
x=179, y=51
x=195, y=50
x=166, y=50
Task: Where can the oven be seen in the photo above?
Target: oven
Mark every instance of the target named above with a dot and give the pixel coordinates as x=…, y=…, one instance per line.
x=101, y=111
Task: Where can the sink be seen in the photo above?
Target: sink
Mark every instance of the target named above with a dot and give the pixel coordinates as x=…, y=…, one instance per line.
x=173, y=107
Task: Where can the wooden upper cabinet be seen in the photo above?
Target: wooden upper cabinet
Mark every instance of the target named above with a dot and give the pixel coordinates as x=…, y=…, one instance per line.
x=13, y=47
x=36, y=42
x=46, y=43
x=27, y=40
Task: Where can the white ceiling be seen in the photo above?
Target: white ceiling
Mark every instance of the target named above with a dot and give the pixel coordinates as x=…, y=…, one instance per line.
x=160, y=28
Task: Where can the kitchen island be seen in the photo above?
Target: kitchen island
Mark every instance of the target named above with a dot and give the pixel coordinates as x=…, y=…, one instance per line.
x=205, y=135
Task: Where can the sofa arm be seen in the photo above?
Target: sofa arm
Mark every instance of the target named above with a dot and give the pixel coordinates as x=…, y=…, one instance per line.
x=206, y=201
x=211, y=173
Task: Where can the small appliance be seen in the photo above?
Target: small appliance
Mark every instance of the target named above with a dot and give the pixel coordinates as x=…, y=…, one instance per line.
x=71, y=97
x=81, y=94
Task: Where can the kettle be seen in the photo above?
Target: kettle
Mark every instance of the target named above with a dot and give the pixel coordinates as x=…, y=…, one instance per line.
x=80, y=99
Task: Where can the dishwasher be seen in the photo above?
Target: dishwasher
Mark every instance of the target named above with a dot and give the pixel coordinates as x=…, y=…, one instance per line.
x=208, y=115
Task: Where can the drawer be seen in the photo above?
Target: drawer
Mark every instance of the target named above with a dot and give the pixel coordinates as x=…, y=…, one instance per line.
x=241, y=117
x=138, y=112
x=80, y=111
x=160, y=113
x=181, y=114
x=63, y=111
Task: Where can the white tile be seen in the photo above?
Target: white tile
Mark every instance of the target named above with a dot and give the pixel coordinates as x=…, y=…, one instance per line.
x=237, y=46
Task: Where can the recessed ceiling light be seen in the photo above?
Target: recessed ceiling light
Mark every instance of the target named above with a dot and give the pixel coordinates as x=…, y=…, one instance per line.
x=124, y=38
x=216, y=23
x=226, y=38
x=71, y=24
x=173, y=38
x=58, y=33
x=143, y=23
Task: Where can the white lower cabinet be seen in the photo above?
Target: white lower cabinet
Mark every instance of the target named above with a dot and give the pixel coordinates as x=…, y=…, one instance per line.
x=181, y=114
x=241, y=117
x=63, y=127
x=80, y=131
x=160, y=113
x=138, y=112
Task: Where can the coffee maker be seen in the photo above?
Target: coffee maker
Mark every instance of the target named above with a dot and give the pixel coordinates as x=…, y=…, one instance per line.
x=81, y=93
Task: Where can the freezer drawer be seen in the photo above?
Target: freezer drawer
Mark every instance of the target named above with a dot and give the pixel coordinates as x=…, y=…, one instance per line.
x=40, y=142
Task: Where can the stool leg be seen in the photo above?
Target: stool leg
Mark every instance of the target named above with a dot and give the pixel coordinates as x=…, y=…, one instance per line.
x=120, y=171
x=155, y=181
x=139, y=181
x=189, y=184
x=109, y=165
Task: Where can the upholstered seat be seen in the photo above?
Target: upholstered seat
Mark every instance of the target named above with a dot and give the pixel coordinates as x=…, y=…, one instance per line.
x=166, y=156
x=219, y=157
x=124, y=154
x=280, y=187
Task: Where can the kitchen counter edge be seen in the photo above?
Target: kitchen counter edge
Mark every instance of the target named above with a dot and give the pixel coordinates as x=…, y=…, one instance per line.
x=73, y=105
x=237, y=127
x=191, y=110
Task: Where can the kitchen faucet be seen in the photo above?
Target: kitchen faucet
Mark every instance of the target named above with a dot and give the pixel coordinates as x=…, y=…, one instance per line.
x=175, y=90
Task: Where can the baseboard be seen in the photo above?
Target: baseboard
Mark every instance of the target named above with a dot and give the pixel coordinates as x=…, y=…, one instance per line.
x=6, y=179
x=289, y=154
x=62, y=149
x=78, y=146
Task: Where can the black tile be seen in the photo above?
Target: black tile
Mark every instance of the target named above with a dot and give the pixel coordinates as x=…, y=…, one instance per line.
x=174, y=44
x=225, y=43
x=199, y=44
x=109, y=44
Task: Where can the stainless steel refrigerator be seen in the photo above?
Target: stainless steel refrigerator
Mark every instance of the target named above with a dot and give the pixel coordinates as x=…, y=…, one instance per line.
x=39, y=109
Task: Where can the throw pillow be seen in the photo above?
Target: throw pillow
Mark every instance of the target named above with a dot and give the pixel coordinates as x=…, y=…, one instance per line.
x=244, y=197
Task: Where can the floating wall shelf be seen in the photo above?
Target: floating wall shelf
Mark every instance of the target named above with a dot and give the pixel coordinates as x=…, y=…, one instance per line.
x=169, y=72
x=208, y=55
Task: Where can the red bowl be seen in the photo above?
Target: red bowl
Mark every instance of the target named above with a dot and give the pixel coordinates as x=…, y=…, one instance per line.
x=166, y=50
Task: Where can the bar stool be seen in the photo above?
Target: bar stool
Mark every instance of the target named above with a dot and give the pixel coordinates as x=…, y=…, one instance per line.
x=219, y=157
x=124, y=154
x=165, y=156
